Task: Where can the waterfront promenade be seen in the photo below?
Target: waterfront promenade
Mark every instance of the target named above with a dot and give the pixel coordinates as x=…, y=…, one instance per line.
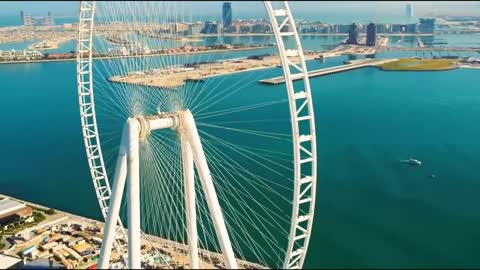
x=177, y=251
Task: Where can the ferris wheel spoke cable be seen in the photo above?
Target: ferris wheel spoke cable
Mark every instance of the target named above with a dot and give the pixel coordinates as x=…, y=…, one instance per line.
x=237, y=86
x=239, y=151
x=232, y=163
x=171, y=160
x=240, y=193
x=240, y=109
x=271, y=120
x=238, y=171
x=234, y=170
x=273, y=135
x=220, y=191
x=249, y=218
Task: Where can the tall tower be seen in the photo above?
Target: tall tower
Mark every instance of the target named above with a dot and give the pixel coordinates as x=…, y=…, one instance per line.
x=427, y=25
x=49, y=19
x=227, y=15
x=26, y=19
x=353, y=34
x=409, y=10
x=371, y=34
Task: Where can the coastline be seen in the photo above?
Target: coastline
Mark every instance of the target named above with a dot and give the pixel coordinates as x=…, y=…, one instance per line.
x=52, y=44
x=135, y=56
x=62, y=217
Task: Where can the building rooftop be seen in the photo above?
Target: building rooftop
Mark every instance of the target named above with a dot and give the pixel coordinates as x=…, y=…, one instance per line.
x=80, y=248
x=42, y=263
x=7, y=205
x=7, y=261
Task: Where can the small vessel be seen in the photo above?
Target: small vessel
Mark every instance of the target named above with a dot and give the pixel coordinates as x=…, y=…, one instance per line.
x=411, y=161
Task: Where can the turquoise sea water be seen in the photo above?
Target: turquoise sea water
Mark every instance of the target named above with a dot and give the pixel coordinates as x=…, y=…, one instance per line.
x=372, y=211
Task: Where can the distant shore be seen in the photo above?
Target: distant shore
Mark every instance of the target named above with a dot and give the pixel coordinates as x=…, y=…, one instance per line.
x=303, y=34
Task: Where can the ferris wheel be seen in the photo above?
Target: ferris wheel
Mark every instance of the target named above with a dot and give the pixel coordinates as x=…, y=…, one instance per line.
x=215, y=172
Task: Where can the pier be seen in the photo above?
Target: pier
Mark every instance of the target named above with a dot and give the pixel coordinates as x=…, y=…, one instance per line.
x=440, y=49
x=331, y=70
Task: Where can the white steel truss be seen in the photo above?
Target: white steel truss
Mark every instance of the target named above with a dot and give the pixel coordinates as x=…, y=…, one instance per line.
x=303, y=131
x=88, y=117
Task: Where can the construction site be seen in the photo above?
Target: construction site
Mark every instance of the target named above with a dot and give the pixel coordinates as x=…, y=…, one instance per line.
x=176, y=76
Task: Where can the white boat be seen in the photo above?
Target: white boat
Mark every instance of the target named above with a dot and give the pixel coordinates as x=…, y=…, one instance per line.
x=412, y=161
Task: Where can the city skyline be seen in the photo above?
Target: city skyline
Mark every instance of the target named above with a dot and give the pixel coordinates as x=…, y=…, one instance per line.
x=247, y=9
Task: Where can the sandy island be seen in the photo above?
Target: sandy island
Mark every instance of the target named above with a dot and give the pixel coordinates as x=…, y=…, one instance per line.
x=177, y=76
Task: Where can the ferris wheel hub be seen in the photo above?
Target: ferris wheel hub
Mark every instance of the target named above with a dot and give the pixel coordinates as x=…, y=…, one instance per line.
x=144, y=128
x=162, y=120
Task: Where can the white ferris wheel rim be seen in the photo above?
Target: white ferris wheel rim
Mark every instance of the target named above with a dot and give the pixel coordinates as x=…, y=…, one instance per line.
x=304, y=187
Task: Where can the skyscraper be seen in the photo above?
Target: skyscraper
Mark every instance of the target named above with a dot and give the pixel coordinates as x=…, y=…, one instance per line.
x=409, y=10
x=210, y=28
x=49, y=19
x=353, y=33
x=227, y=15
x=371, y=34
x=26, y=19
x=426, y=25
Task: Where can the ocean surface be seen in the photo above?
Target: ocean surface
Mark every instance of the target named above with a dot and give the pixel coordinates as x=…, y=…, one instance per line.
x=16, y=20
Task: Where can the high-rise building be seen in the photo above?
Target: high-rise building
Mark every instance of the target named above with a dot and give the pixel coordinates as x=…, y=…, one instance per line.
x=426, y=26
x=381, y=28
x=412, y=28
x=210, y=28
x=353, y=34
x=371, y=34
x=26, y=19
x=409, y=10
x=49, y=19
x=194, y=28
x=399, y=28
x=342, y=28
x=227, y=15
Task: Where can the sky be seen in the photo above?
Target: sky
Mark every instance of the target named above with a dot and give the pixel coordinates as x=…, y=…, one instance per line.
x=248, y=9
